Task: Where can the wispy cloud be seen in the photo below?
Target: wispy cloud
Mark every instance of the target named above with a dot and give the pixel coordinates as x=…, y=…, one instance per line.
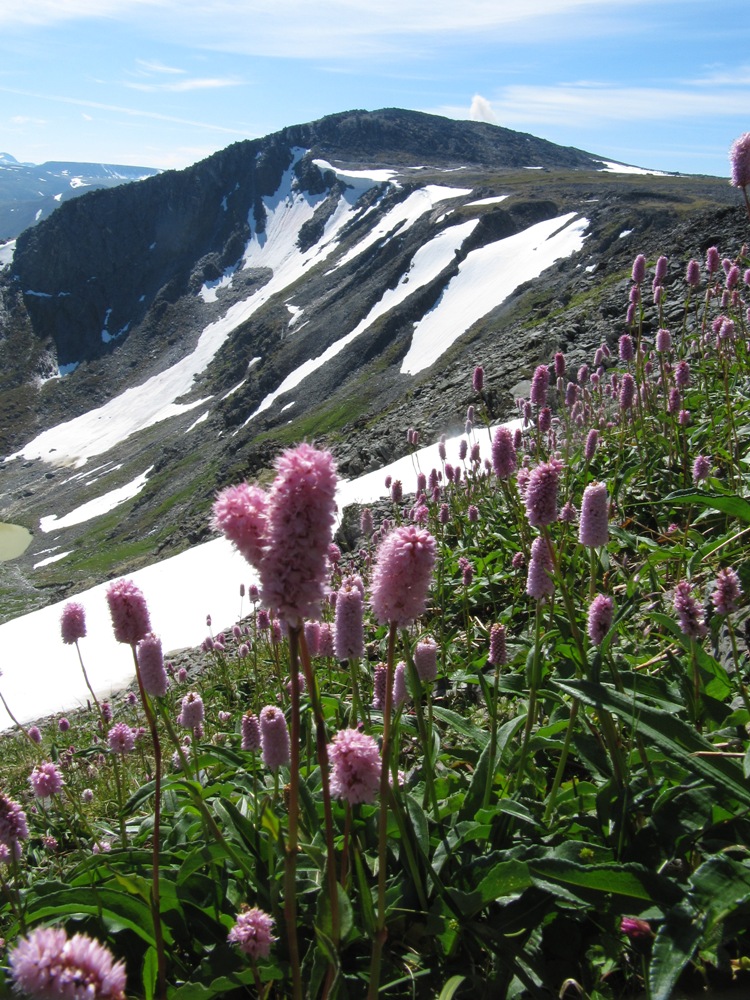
x=183, y=86
x=149, y=66
x=132, y=112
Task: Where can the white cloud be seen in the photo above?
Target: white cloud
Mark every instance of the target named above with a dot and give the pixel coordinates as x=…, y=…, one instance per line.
x=183, y=86
x=481, y=110
x=132, y=112
x=149, y=66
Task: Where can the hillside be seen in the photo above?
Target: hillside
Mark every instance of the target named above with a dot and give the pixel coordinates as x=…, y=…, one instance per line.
x=334, y=281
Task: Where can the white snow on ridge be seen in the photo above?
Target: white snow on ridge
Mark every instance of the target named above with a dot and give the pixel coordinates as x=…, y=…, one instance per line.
x=403, y=216
x=6, y=253
x=610, y=167
x=139, y=407
x=361, y=179
x=471, y=294
x=426, y=264
x=493, y=200
x=97, y=506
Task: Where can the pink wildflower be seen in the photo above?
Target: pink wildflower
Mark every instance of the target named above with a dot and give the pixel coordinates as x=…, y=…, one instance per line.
x=63, y=724
x=539, y=582
x=701, y=468
x=425, y=660
x=592, y=440
x=636, y=929
x=627, y=391
x=541, y=493
x=151, y=666
x=728, y=591
x=688, y=611
x=539, y=386
x=192, y=711
x=240, y=514
x=498, y=654
x=593, y=529
x=663, y=341
x=250, y=732
x=35, y=734
x=379, y=684
x=739, y=157
x=400, y=691
x=355, y=766
x=73, y=622
x=627, y=350
x=325, y=643
x=600, y=615
x=312, y=637
x=349, y=636
x=47, y=964
x=639, y=269
x=252, y=933
x=121, y=738
x=402, y=575
x=129, y=611
x=46, y=780
x=301, y=513
x=477, y=379
x=504, y=460
x=693, y=274
x=13, y=825
x=274, y=738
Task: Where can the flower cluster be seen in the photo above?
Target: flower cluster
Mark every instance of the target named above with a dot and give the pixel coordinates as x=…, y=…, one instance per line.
x=47, y=964
x=356, y=766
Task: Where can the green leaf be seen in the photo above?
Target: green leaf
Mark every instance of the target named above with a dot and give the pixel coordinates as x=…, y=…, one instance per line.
x=449, y=990
x=592, y=882
x=461, y=725
x=675, y=738
x=675, y=943
x=113, y=906
x=725, y=503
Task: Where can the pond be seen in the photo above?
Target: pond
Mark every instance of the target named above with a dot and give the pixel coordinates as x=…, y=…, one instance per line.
x=14, y=540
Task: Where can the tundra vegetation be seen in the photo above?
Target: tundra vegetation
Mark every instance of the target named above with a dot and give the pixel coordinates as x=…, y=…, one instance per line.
x=498, y=748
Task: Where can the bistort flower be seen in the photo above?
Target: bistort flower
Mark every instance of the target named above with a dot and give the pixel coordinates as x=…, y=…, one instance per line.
x=129, y=612
x=402, y=575
x=355, y=766
x=47, y=965
x=252, y=933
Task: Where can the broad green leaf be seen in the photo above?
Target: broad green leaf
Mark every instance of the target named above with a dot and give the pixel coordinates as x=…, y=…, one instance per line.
x=449, y=990
x=675, y=943
x=461, y=725
x=675, y=738
x=725, y=503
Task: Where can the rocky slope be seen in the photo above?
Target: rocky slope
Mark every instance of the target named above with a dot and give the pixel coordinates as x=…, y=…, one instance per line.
x=278, y=249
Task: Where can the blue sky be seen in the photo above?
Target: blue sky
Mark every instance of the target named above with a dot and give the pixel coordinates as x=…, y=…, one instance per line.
x=663, y=84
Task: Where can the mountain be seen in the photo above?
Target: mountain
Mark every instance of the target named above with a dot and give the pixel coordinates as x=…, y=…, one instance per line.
x=335, y=281
x=30, y=192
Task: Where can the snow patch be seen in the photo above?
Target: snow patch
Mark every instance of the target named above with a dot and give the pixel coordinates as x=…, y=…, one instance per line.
x=426, y=264
x=494, y=200
x=50, y=559
x=610, y=167
x=469, y=296
x=402, y=217
x=96, y=507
